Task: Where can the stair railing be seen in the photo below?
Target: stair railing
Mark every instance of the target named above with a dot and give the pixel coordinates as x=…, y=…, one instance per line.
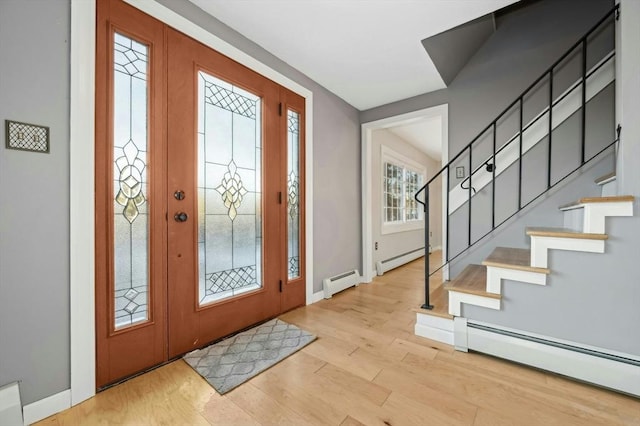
x=490, y=164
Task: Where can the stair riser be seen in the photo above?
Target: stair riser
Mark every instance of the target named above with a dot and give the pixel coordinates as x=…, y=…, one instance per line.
x=495, y=276
x=594, y=215
x=609, y=189
x=540, y=248
x=457, y=298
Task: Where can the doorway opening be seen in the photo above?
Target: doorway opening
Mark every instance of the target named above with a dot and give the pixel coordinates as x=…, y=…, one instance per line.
x=399, y=155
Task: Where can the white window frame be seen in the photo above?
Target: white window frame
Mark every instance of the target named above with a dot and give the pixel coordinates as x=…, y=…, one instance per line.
x=388, y=155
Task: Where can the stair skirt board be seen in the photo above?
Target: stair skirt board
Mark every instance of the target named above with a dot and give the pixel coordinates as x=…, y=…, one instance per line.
x=10, y=406
x=540, y=247
x=391, y=263
x=614, y=371
x=434, y=328
x=590, y=217
x=456, y=299
x=333, y=285
x=495, y=275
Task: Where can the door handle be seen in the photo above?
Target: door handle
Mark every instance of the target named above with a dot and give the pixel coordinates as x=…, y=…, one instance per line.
x=181, y=217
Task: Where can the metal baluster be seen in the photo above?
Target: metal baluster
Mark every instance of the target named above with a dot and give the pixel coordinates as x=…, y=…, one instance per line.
x=550, y=127
x=520, y=159
x=584, y=98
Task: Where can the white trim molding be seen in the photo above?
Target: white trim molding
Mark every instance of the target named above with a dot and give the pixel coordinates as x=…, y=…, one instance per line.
x=540, y=247
x=435, y=328
x=441, y=111
x=82, y=239
x=457, y=298
x=46, y=407
x=81, y=182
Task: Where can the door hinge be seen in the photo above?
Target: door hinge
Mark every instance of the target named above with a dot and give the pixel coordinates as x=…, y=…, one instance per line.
x=280, y=197
x=280, y=286
x=280, y=109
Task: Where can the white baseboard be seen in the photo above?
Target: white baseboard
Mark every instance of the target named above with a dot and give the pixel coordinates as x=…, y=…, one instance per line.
x=316, y=297
x=434, y=328
x=10, y=407
x=580, y=362
x=434, y=334
x=46, y=407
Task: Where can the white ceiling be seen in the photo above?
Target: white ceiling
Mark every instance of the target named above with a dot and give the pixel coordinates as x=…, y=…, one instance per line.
x=425, y=134
x=368, y=52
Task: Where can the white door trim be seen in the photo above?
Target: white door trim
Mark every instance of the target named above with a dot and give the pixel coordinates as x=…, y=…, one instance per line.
x=82, y=165
x=367, y=207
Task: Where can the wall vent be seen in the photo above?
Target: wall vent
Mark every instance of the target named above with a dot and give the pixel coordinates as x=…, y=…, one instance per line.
x=391, y=263
x=340, y=282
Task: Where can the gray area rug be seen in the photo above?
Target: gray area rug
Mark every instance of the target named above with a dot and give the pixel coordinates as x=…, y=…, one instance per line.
x=235, y=360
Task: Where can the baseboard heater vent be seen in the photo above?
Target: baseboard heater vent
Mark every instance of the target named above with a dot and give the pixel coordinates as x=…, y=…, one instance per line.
x=10, y=405
x=613, y=371
x=340, y=282
x=389, y=264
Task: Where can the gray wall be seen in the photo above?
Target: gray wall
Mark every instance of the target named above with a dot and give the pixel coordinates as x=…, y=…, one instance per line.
x=336, y=157
x=34, y=212
x=591, y=298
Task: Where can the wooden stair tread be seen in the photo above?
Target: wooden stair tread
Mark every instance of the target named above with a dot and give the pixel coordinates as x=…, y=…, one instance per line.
x=439, y=299
x=472, y=280
x=593, y=200
x=513, y=258
x=603, y=179
x=564, y=233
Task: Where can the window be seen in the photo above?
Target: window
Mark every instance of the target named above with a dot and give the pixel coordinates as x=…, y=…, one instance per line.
x=401, y=179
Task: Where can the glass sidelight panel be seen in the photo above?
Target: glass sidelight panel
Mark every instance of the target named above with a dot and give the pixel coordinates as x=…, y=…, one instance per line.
x=130, y=145
x=229, y=190
x=293, y=192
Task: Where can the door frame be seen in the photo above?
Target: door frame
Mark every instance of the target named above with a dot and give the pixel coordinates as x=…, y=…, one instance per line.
x=442, y=111
x=82, y=189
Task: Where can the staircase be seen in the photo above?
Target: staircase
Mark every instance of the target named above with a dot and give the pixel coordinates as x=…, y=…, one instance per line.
x=442, y=316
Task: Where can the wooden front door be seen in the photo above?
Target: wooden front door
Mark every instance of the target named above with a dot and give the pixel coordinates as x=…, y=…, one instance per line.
x=199, y=179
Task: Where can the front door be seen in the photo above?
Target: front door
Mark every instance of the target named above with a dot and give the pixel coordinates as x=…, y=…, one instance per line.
x=199, y=180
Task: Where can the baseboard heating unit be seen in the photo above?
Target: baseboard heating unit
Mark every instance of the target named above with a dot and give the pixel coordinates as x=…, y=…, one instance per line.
x=391, y=263
x=340, y=282
x=617, y=371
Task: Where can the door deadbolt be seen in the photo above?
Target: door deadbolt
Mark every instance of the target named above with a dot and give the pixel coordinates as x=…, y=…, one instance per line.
x=181, y=217
x=178, y=195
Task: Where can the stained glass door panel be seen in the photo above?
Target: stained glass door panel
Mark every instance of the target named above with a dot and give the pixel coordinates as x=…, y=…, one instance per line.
x=131, y=333
x=229, y=190
x=293, y=194
x=130, y=146
x=225, y=153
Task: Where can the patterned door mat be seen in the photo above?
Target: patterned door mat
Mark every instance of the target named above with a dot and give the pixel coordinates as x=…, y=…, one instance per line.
x=235, y=360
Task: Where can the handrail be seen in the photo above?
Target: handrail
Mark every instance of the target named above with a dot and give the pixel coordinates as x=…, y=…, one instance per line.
x=519, y=102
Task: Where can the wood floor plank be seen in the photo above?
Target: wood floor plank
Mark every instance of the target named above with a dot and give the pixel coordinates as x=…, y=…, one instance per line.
x=441, y=406
x=367, y=367
x=264, y=408
x=374, y=392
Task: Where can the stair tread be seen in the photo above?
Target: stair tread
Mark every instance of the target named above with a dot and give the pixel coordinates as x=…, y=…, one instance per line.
x=564, y=233
x=591, y=200
x=603, y=179
x=513, y=258
x=439, y=299
x=472, y=280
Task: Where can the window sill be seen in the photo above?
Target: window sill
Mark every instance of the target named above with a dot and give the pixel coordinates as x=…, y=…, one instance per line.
x=394, y=228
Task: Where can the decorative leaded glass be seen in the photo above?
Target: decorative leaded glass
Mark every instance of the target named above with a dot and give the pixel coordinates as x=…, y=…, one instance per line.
x=293, y=191
x=229, y=190
x=130, y=222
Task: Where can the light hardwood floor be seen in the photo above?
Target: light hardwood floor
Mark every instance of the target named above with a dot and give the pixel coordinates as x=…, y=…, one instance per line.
x=367, y=367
